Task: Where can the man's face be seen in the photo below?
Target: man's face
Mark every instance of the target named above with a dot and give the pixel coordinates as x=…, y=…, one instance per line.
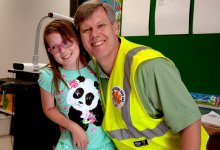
x=99, y=36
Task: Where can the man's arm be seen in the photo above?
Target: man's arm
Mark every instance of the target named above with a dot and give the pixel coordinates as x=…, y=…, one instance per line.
x=191, y=137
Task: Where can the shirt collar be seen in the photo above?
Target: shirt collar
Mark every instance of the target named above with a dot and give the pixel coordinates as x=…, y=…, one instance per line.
x=102, y=73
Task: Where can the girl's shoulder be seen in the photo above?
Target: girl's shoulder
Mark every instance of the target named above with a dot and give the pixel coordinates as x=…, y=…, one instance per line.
x=46, y=72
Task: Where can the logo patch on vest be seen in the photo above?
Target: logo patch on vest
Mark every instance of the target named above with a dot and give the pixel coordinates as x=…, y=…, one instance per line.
x=140, y=143
x=118, y=97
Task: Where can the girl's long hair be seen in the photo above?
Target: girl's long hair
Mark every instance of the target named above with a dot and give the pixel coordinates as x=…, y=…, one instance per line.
x=68, y=32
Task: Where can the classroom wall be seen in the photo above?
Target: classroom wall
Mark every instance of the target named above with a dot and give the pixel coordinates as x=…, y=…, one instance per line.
x=18, y=24
x=197, y=56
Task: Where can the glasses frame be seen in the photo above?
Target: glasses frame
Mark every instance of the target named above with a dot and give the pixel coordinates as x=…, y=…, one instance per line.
x=57, y=48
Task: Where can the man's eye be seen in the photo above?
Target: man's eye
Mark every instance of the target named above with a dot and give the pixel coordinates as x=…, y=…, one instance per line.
x=101, y=25
x=85, y=30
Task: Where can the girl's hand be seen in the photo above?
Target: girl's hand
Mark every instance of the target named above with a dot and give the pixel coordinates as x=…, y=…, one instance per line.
x=79, y=136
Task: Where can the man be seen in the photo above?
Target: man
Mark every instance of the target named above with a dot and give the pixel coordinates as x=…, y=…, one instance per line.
x=146, y=104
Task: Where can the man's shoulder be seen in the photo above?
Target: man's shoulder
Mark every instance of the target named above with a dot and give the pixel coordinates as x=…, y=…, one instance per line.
x=127, y=43
x=157, y=64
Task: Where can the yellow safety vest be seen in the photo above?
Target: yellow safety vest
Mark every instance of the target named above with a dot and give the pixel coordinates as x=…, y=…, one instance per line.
x=126, y=121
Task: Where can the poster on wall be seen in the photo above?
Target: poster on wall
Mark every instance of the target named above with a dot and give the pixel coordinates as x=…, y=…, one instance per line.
x=116, y=4
x=206, y=17
x=111, y=2
x=135, y=18
x=7, y=103
x=207, y=100
x=172, y=17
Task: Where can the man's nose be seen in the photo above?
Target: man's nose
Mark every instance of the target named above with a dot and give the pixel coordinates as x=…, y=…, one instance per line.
x=94, y=32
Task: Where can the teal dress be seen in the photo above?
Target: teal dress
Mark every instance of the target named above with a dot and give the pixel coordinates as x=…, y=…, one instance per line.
x=81, y=103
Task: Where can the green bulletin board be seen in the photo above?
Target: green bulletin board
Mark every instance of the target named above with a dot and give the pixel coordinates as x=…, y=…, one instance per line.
x=197, y=56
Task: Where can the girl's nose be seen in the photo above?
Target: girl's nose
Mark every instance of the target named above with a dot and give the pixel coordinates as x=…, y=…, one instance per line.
x=62, y=49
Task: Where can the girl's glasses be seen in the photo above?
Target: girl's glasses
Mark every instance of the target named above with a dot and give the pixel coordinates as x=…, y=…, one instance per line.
x=57, y=48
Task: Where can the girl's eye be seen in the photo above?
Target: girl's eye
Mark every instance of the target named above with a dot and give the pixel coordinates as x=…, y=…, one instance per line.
x=52, y=48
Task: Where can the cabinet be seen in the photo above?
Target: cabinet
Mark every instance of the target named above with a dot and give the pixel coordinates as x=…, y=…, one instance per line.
x=6, y=110
x=31, y=128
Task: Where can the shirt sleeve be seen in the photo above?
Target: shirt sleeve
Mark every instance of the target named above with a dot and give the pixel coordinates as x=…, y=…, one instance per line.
x=45, y=79
x=161, y=90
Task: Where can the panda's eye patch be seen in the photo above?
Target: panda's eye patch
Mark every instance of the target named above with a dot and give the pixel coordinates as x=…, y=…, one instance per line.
x=78, y=93
x=89, y=98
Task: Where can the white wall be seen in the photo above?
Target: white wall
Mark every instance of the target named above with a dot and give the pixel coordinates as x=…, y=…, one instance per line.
x=18, y=24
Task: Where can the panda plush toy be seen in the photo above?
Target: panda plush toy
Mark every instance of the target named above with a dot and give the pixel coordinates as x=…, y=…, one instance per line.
x=85, y=103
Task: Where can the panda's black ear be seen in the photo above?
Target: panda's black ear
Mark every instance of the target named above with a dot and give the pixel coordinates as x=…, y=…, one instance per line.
x=81, y=78
x=96, y=84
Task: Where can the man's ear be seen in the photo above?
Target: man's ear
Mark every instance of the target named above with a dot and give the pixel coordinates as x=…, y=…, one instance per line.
x=116, y=28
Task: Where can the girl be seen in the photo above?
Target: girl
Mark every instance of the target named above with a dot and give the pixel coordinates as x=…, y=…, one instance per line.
x=72, y=83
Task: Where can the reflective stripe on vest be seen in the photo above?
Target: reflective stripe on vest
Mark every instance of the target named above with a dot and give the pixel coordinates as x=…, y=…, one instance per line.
x=131, y=132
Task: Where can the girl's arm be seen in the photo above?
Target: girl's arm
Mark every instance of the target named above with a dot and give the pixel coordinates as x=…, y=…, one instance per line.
x=78, y=134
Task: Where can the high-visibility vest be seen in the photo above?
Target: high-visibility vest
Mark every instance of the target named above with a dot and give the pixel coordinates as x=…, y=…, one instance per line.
x=126, y=121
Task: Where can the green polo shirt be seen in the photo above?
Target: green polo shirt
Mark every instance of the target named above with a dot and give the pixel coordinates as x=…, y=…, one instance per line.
x=163, y=93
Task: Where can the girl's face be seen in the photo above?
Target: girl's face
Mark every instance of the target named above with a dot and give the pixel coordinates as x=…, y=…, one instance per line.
x=65, y=53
